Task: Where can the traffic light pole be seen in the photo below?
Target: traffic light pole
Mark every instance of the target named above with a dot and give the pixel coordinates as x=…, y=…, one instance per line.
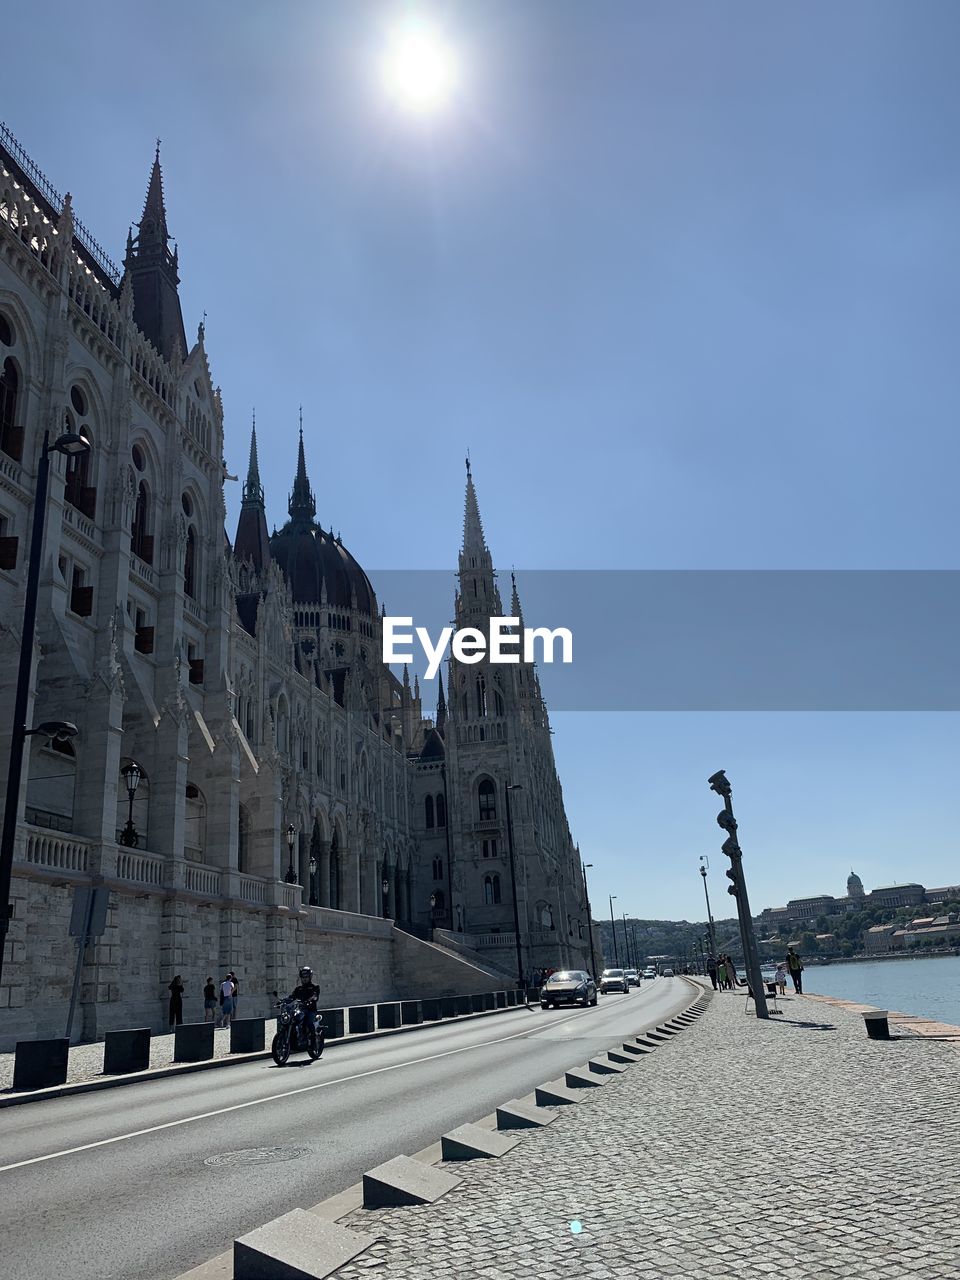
x=731, y=847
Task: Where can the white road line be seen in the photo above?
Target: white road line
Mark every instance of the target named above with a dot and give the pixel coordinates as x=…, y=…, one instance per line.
x=276, y=1097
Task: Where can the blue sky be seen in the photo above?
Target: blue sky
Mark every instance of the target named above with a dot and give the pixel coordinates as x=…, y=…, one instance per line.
x=684, y=278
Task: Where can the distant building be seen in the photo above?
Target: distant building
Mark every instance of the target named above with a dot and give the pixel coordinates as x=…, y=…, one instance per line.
x=897, y=895
x=854, y=885
x=948, y=893
x=880, y=938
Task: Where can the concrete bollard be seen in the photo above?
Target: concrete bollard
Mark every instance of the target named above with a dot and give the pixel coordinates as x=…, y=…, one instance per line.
x=39, y=1064
x=501, y=999
x=431, y=1010
x=360, y=1018
x=332, y=1023
x=448, y=1006
x=388, y=1015
x=877, y=1026
x=464, y=1004
x=248, y=1035
x=193, y=1042
x=126, y=1051
x=511, y=998
x=411, y=1012
x=489, y=1001
x=477, y=1003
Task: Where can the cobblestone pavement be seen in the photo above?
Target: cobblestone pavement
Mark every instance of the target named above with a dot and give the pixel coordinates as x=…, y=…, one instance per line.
x=86, y=1060
x=792, y=1148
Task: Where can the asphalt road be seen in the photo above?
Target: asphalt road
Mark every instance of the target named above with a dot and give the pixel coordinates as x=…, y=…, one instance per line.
x=144, y=1182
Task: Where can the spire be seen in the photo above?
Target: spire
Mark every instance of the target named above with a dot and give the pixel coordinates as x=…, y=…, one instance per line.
x=441, y=705
x=515, y=609
x=473, y=539
x=152, y=265
x=302, y=505
x=253, y=489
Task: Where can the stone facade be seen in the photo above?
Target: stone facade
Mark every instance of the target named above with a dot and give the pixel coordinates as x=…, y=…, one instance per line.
x=281, y=813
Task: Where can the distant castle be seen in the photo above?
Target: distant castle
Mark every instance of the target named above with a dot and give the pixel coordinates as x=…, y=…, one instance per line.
x=799, y=910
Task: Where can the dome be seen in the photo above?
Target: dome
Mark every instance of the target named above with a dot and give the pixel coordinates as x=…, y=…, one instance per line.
x=311, y=559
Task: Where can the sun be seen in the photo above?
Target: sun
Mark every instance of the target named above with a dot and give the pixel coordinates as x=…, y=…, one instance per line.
x=420, y=69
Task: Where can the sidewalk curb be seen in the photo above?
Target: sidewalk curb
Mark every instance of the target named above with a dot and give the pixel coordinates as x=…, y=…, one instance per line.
x=236, y=1059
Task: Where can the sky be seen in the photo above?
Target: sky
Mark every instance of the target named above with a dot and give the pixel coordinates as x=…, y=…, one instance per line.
x=685, y=281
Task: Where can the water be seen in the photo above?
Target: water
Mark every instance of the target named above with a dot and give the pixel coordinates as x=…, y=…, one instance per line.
x=930, y=988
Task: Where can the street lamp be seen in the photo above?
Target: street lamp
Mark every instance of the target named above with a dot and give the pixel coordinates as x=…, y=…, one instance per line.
x=704, y=868
x=631, y=963
x=433, y=901
x=131, y=773
x=385, y=889
x=613, y=926
x=514, y=786
x=70, y=444
x=314, y=900
x=291, y=876
x=586, y=894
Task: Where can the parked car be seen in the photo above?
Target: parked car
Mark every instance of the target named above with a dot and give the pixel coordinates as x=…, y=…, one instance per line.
x=568, y=986
x=649, y=971
x=614, y=980
x=632, y=977
x=667, y=973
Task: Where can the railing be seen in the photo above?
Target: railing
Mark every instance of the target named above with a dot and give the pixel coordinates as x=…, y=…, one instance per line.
x=253, y=889
x=55, y=200
x=291, y=897
x=141, y=868
x=44, y=850
x=494, y=940
x=487, y=824
x=204, y=880
x=80, y=522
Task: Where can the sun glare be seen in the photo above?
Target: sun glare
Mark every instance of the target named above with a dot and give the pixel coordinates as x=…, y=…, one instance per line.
x=420, y=69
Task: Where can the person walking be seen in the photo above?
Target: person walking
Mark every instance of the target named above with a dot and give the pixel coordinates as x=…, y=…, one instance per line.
x=712, y=971
x=722, y=972
x=210, y=1001
x=795, y=966
x=236, y=992
x=780, y=978
x=226, y=1001
x=176, y=1001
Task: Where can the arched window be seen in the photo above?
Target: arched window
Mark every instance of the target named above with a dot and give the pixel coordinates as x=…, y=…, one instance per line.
x=51, y=784
x=438, y=868
x=487, y=800
x=496, y=889
x=11, y=434
x=141, y=544
x=438, y=900
x=441, y=811
x=488, y=891
x=498, y=705
x=190, y=564
x=481, y=696
x=194, y=823
x=428, y=811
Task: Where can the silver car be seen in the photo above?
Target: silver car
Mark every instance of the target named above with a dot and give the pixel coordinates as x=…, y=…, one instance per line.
x=569, y=986
x=614, y=980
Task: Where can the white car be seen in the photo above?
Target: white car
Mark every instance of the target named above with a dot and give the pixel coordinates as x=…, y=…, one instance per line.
x=614, y=980
x=666, y=973
x=649, y=972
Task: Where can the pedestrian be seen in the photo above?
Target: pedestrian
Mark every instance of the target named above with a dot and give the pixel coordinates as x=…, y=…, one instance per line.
x=780, y=978
x=722, y=972
x=176, y=1001
x=210, y=1001
x=226, y=1001
x=713, y=971
x=236, y=992
x=795, y=966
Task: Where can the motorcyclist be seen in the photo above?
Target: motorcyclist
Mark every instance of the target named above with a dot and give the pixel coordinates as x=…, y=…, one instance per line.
x=307, y=993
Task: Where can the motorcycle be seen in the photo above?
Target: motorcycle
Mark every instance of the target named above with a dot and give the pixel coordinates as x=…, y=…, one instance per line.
x=293, y=1034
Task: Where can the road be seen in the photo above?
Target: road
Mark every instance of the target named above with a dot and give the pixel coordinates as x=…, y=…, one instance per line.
x=144, y=1182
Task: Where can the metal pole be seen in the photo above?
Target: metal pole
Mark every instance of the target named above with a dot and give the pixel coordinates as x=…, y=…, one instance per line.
x=586, y=894
x=513, y=885
x=613, y=926
x=713, y=933
x=631, y=960
x=24, y=670
x=751, y=957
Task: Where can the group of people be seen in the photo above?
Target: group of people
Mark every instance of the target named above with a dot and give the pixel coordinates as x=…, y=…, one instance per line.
x=723, y=974
x=539, y=976
x=219, y=1001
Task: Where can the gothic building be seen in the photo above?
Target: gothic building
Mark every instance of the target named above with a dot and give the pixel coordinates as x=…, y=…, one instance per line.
x=250, y=783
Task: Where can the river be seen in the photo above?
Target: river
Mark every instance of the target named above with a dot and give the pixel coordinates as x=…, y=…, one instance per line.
x=930, y=988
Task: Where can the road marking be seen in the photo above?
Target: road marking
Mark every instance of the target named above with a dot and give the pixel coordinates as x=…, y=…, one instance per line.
x=277, y=1097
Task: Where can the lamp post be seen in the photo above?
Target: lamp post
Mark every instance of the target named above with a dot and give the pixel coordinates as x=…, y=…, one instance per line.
x=314, y=899
x=586, y=894
x=385, y=890
x=69, y=444
x=704, y=868
x=131, y=773
x=613, y=926
x=514, y=786
x=291, y=876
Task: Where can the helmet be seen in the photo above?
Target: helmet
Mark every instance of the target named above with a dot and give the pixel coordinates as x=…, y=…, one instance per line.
x=306, y=974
